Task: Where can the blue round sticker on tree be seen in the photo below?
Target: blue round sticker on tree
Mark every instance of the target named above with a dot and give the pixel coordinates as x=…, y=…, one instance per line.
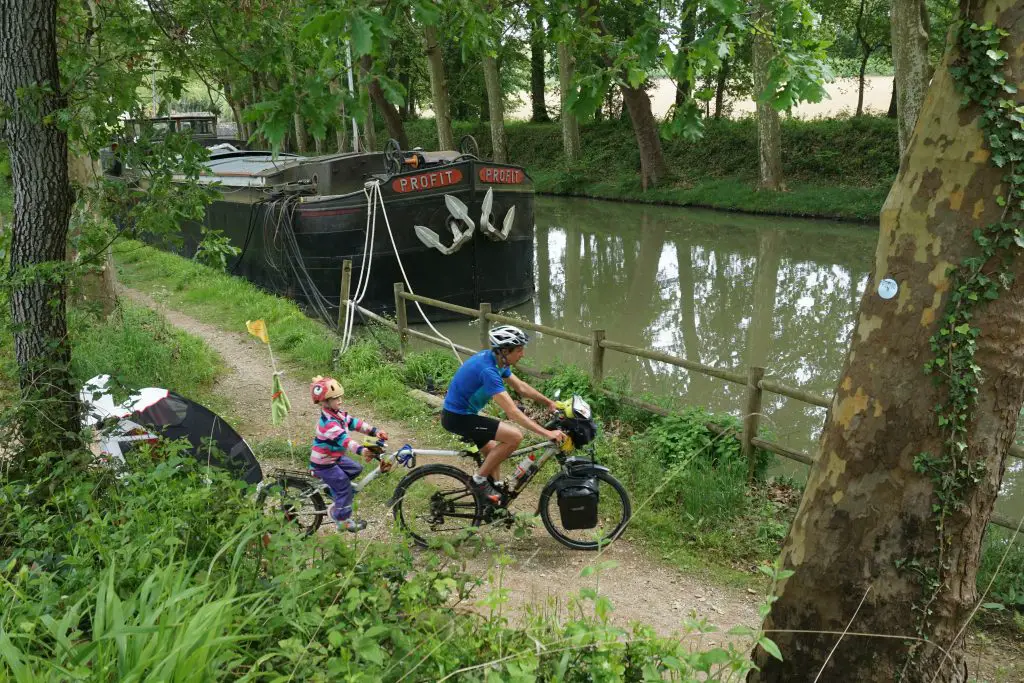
x=887, y=288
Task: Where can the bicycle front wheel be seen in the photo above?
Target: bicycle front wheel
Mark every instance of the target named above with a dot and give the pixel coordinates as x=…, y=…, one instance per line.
x=296, y=501
x=613, y=513
x=436, y=501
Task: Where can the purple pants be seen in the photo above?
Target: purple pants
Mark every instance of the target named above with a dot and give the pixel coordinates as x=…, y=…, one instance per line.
x=339, y=478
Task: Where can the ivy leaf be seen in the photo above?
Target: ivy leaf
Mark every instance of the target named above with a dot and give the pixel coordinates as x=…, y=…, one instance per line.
x=1019, y=239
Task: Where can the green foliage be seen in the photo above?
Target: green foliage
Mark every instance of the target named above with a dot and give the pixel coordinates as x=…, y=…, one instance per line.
x=835, y=167
x=1008, y=585
x=172, y=574
x=680, y=438
x=138, y=348
x=215, y=249
x=432, y=368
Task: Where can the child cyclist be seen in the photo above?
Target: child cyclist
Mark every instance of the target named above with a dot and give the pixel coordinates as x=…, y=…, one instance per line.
x=329, y=460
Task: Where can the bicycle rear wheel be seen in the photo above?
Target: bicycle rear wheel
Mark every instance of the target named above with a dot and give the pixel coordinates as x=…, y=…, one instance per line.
x=613, y=513
x=436, y=501
x=297, y=501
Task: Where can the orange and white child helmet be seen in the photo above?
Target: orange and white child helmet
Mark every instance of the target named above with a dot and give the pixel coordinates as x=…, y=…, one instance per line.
x=324, y=388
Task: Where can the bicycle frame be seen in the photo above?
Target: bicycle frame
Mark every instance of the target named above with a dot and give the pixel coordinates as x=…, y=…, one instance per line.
x=549, y=448
x=392, y=459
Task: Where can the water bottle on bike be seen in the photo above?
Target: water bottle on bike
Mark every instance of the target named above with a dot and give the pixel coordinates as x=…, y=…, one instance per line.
x=522, y=467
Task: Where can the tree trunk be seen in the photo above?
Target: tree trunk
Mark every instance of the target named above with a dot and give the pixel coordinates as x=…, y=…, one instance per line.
x=723, y=76
x=496, y=109
x=910, y=63
x=860, y=84
x=769, y=136
x=892, y=102
x=392, y=119
x=645, y=127
x=867, y=510
x=540, y=110
x=369, y=143
x=405, y=110
x=49, y=421
x=439, y=90
x=301, y=137
x=570, y=125
x=684, y=87
x=866, y=50
x=341, y=131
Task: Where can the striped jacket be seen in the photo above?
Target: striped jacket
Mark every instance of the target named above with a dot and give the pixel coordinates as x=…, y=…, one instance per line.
x=332, y=439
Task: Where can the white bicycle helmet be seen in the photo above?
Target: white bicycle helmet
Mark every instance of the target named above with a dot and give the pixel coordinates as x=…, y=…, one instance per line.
x=507, y=337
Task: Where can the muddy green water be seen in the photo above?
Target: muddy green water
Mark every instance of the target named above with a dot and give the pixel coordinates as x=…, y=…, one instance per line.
x=727, y=290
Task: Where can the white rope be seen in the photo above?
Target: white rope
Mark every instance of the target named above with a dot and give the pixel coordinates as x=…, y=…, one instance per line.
x=364, y=270
x=380, y=198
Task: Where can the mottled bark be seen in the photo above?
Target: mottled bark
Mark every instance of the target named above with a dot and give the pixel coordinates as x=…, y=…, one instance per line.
x=911, y=67
x=769, y=135
x=495, y=109
x=866, y=511
x=439, y=91
x=570, y=125
x=30, y=94
x=537, y=87
x=652, y=159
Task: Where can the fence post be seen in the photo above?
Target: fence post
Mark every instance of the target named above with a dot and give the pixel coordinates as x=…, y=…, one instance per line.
x=401, y=318
x=485, y=326
x=346, y=285
x=597, y=356
x=751, y=417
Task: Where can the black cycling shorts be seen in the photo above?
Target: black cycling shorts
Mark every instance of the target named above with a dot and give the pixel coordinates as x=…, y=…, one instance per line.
x=475, y=429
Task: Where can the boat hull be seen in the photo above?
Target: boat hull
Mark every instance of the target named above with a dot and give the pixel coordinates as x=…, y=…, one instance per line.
x=326, y=231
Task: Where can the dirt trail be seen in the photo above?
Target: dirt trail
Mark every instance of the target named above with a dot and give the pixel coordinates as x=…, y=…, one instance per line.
x=538, y=573
x=542, y=574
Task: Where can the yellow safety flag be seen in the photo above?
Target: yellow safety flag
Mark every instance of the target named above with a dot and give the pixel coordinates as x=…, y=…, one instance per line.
x=258, y=329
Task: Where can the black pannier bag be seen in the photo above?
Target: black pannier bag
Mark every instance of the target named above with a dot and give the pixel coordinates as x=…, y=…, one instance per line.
x=577, y=502
x=581, y=430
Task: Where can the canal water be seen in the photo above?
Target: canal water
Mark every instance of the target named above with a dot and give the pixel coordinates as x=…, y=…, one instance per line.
x=727, y=290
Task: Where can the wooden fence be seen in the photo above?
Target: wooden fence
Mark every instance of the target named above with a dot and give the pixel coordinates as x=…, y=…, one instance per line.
x=753, y=379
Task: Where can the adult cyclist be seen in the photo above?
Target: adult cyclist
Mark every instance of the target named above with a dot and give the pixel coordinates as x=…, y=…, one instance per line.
x=479, y=380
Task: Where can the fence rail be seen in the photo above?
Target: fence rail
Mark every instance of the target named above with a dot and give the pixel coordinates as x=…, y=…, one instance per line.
x=753, y=378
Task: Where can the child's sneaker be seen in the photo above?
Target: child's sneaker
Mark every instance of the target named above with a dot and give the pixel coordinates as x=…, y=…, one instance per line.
x=351, y=525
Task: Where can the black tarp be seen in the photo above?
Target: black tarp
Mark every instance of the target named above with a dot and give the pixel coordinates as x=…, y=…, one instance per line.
x=213, y=440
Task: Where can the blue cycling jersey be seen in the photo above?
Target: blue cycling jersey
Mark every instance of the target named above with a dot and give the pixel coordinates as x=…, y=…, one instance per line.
x=475, y=383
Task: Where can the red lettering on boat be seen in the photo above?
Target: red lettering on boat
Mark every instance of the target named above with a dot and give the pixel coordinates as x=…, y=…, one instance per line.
x=501, y=176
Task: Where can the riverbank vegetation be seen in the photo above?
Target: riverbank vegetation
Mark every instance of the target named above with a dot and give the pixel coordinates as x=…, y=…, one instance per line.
x=837, y=168
x=689, y=486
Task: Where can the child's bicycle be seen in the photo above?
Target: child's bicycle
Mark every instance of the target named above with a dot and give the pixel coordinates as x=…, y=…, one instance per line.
x=583, y=506
x=302, y=499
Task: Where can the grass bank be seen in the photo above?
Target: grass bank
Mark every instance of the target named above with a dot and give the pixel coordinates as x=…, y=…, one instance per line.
x=834, y=168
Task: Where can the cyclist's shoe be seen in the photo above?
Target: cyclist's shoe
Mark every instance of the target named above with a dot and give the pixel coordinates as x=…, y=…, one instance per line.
x=352, y=525
x=486, y=490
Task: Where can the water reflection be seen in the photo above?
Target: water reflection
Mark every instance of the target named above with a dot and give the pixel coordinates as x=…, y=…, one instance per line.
x=723, y=289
